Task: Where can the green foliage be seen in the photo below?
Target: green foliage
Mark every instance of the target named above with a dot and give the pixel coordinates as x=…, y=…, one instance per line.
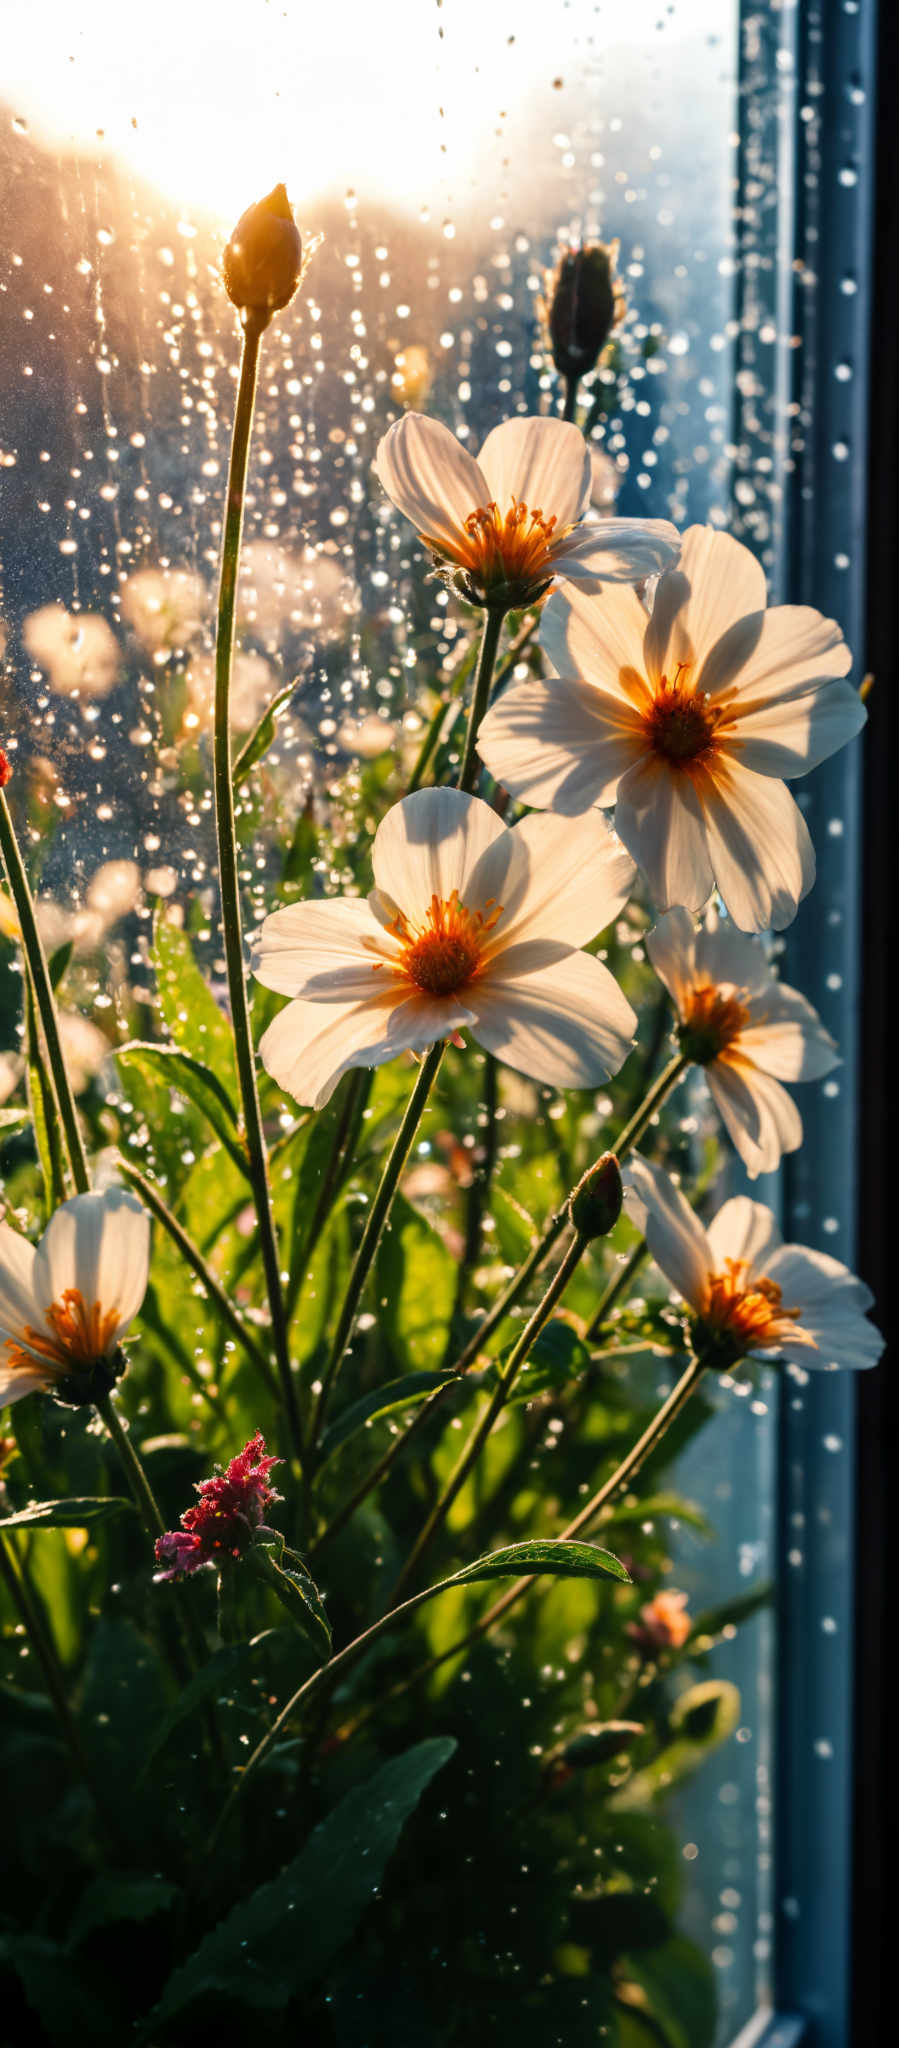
x=560, y=1560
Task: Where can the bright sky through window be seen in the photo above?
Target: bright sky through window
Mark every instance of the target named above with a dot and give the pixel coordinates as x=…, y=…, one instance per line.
x=211, y=103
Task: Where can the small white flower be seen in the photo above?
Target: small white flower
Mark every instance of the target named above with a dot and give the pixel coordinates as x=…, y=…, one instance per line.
x=77, y=650
x=165, y=608
x=511, y=522
x=470, y=923
x=687, y=721
x=746, y=1029
x=65, y=1304
x=749, y=1292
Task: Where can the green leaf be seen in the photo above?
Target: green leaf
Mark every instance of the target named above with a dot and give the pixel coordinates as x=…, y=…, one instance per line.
x=260, y=739
x=66, y=2007
x=192, y=1016
x=415, y=1285
x=212, y=1678
x=66, y=1514
x=678, y=1983
x=58, y=962
x=191, y=1077
x=287, y=1576
x=557, y=1357
x=282, y=1938
x=516, y=1231
x=401, y=1393
x=598, y=1743
x=714, y=1620
x=14, y=1119
x=563, y=1560
x=662, y=1505
x=702, y=1718
x=119, y=1898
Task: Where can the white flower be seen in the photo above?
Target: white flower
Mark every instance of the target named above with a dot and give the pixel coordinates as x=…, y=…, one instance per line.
x=469, y=924
x=253, y=684
x=511, y=521
x=164, y=607
x=65, y=1305
x=78, y=650
x=686, y=721
x=750, y=1292
x=746, y=1029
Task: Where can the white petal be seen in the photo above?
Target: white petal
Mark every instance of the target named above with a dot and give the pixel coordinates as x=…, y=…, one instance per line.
x=845, y=1346
x=560, y=744
x=99, y=1244
x=429, y=844
x=792, y=736
x=724, y=954
x=599, y=638
x=761, y=854
x=545, y=462
x=793, y=647
x=744, y=1230
x=659, y=818
x=759, y=1115
x=817, y=1282
x=725, y=583
x=785, y=1036
x=306, y=940
x=576, y=878
x=565, y=1023
x=430, y=476
x=671, y=946
x=18, y=1380
x=309, y=1046
x=673, y=1232
x=17, y=1302
x=617, y=551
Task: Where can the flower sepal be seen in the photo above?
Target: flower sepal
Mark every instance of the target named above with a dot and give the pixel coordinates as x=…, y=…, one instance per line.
x=92, y=1384
x=283, y=1570
x=517, y=595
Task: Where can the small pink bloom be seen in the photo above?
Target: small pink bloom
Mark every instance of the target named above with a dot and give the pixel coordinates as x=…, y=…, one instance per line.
x=664, y=1624
x=230, y=1509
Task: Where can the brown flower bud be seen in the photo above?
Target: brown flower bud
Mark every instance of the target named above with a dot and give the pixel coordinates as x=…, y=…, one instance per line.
x=585, y=302
x=595, y=1205
x=263, y=262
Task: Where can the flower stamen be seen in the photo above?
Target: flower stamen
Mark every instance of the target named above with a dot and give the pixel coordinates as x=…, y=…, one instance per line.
x=80, y=1334
x=681, y=724
x=711, y=1022
x=444, y=953
x=513, y=548
x=750, y=1312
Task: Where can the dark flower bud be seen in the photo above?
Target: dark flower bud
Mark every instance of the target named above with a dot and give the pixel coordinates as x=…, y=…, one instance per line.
x=595, y=1205
x=263, y=262
x=585, y=302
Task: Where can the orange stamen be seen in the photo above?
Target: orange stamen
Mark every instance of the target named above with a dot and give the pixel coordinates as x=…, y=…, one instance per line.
x=503, y=547
x=710, y=1024
x=446, y=952
x=750, y=1312
x=80, y=1334
x=681, y=723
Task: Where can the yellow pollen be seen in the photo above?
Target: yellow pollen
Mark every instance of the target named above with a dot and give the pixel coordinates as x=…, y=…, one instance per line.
x=681, y=724
x=79, y=1334
x=444, y=953
x=752, y=1313
x=711, y=1023
x=503, y=547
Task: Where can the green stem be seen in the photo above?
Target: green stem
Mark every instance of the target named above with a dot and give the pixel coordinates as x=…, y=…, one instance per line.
x=376, y=1220
x=341, y=1159
x=493, y=626
x=228, y=875
x=380, y=1470
x=633, y=1131
x=506, y=1377
x=193, y=1258
x=39, y=975
x=569, y=410
x=148, y=1508
x=42, y=1643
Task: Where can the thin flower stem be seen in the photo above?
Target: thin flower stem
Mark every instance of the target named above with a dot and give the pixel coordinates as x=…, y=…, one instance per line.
x=228, y=876
x=39, y=976
x=149, y=1510
x=493, y=626
x=13, y=1573
x=379, y=1471
x=457, y=685
x=506, y=1377
x=193, y=1257
x=569, y=410
x=668, y=1078
x=376, y=1220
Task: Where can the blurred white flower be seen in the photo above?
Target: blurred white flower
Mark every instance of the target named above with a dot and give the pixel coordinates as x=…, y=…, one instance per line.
x=165, y=607
x=78, y=650
x=84, y=1048
x=368, y=738
x=253, y=684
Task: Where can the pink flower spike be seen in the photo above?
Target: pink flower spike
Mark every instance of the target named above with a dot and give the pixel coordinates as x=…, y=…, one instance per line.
x=230, y=1509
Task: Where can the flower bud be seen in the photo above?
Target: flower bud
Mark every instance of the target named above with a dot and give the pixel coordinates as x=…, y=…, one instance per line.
x=263, y=262
x=595, y=1205
x=585, y=302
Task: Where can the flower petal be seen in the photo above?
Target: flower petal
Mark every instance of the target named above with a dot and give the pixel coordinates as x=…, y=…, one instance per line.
x=429, y=844
x=792, y=736
x=759, y=1115
x=18, y=1380
x=793, y=647
x=744, y=1230
x=309, y=1046
x=659, y=817
x=673, y=1232
x=99, y=1244
x=724, y=954
x=725, y=582
x=576, y=877
x=544, y=462
x=785, y=1036
x=429, y=476
x=818, y=1282
x=598, y=637
x=565, y=1023
x=17, y=1302
x=671, y=946
x=560, y=744
x=761, y=853
x=617, y=551
x=310, y=940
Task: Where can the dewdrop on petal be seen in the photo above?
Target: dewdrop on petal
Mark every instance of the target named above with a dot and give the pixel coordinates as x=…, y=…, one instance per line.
x=263, y=262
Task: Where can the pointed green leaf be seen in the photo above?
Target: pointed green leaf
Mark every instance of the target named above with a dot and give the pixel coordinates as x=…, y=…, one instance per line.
x=556, y=1358
x=66, y=1514
x=402, y=1393
x=554, y=1556
x=191, y=1014
x=191, y=1077
x=701, y=1719
x=119, y=1897
x=415, y=1283
x=261, y=737
x=284, y=1571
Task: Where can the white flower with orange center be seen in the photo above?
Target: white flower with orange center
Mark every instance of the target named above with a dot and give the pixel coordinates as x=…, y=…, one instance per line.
x=747, y=1030
x=747, y=1290
x=687, y=720
x=471, y=925
x=66, y=1303
x=511, y=523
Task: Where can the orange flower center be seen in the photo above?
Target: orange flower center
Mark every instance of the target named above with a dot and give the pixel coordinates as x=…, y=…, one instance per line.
x=681, y=724
x=750, y=1313
x=494, y=547
x=79, y=1334
x=710, y=1024
x=443, y=954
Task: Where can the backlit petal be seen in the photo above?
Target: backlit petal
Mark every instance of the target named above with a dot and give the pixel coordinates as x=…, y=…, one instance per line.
x=429, y=475
x=744, y=1230
x=793, y=647
x=673, y=1232
x=99, y=1244
x=785, y=1036
x=618, y=551
x=543, y=462
x=560, y=744
x=791, y=736
x=597, y=637
x=429, y=844
x=671, y=946
x=761, y=853
x=761, y=1118
x=659, y=818
x=17, y=1303
x=309, y=1047
x=308, y=940
x=725, y=582
x=565, y=1024
x=577, y=877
